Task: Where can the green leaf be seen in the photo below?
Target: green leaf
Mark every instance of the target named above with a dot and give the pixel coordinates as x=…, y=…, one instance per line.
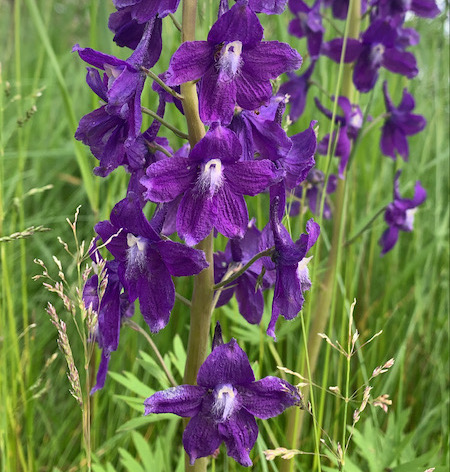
x=129, y=461
x=144, y=451
x=136, y=423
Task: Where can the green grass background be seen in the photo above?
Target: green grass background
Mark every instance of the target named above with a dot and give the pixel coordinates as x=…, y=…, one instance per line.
x=45, y=174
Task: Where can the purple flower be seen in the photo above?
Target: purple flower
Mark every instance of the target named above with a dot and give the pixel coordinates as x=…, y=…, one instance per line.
x=224, y=403
x=213, y=183
x=111, y=308
x=145, y=10
x=234, y=66
x=339, y=8
x=399, y=124
x=378, y=48
x=261, y=134
x=297, y=88
x=308, y=23
x=146, y=262
x=349, y=125
x=399, y=214
x=314, y=189
x=248, y=295
x=290, y=264
x=395, y=8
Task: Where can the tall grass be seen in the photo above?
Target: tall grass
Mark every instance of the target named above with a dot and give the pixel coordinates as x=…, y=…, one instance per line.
x=45, y=175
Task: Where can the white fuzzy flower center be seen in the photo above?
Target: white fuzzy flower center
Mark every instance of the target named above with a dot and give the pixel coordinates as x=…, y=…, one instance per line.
x=230, y=59
x=409, y=220
x=136, y=250
x=224, y=402
x=211, y=177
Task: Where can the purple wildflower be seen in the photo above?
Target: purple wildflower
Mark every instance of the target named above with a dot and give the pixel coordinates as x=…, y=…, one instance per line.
x=248, y=295
x=290, y=264
x=146, y=262
x=399, y=124
x=307, y=23
x=111, y=308
x=378, y=48
x=213, y=183
x=399, y=214
x=143, y=11
x=234, y=66
x=349, y=124
x=224, y=403
x=297, y=88
x=394, y=8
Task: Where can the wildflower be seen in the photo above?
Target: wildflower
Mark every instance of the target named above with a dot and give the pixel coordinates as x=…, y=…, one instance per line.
x=111, y=306
x=307, y=23
x=399, y=124
x=234, y=65
x=248, y=293
x=349, y=125
x=146, y=262
x=224, y=403
x=290, y=264
x=212, y=182
x=297, y=88
x=399, y=214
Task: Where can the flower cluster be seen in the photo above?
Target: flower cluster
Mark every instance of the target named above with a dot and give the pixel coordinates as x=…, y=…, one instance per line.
x=194, y=191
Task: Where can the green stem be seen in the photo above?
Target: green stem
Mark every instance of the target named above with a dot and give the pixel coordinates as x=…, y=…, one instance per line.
x=321, y=312
x=174, y=130
x=202, y=296
x=154, y=77
x=267, y=252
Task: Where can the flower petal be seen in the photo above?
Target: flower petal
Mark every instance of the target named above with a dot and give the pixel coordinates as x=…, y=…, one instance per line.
x=250, y=177
x=232, y=213
x=184, y=401
x=239, y=433
x=268, y=397
x=227, y=364
x=181, y=260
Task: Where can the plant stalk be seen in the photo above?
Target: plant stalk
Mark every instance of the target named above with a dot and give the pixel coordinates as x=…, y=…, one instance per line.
x=321, y=311
x=202, y=296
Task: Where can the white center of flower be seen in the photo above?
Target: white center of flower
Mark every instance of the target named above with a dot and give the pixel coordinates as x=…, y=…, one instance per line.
x=224, y=402
x=409, y=220
x=230, y=59
x=136, y=250
x=211, y=177
x=377, y=54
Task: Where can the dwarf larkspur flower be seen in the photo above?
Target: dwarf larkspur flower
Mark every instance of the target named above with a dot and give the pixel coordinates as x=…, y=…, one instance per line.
x=224, y=403
x=399, y=214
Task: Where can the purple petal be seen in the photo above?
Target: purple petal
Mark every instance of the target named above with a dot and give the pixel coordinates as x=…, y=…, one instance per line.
x=184, y=401
x=388, y=239
x=251, y=303
x=181, y=260
x=251, y=93
x=239, y=434
x=195, y=217
x=168, y=178
x=190, y=62
x=269, y=7
x=400, y=62
x=218, y=143
x=232, y=214
x=333, y=49
x=217, y=98
x=239, y=23
x=227, y=364
x=101, y=372
x=250, y=177
x=269, y=59
x=268, y=397
x=201, y=437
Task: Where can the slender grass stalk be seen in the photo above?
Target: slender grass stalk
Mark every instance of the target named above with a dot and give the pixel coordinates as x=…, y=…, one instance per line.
x=80, y=152
x=321, y=311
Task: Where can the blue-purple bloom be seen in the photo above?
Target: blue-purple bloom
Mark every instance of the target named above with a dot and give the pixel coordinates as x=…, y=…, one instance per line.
x=213, y=183
x=290, y=263
x=349, y=124
x=399, y=214
x=378, y=48
x=111, y=307
x=248, y=293
x=224, y=403
x=234, y=65
x=399, y=124
x=307, y=23
x=146, y=261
